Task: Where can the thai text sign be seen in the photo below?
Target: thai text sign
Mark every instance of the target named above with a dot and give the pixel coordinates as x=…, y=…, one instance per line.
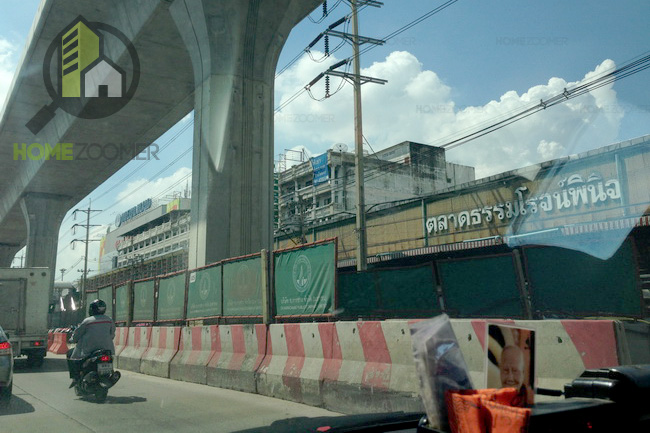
x=204, y=296
x=171, y=297
x=575, y=193
x=305, y=280
x=143, y=300
x=242, y=287
x=121, y=303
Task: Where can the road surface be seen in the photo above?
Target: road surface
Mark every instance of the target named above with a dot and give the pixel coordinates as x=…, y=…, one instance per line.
x=138, y=403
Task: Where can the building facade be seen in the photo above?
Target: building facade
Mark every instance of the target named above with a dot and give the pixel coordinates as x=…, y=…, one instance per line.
x=147, y=232
x=324, y=189
x=602, y=194
x=594, y=203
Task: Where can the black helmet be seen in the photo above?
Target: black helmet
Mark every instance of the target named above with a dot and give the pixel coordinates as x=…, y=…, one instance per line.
x=97, y=307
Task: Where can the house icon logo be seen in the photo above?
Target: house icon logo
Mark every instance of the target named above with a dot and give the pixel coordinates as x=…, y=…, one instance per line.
x=91, y=70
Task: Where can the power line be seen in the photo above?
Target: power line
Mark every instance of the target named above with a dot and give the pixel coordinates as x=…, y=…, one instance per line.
x=150, y=179
x=304, y=50
x=638, y=64
x=139, y=167
x=123, y=179
x=326, y=12
x=386, y=38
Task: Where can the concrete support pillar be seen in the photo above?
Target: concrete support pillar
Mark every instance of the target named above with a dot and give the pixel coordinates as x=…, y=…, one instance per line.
x=43, y=216
x=234, y=46
x=7, y=254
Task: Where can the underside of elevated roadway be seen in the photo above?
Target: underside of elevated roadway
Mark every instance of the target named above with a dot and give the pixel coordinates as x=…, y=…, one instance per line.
x=215, y=56
x=163, y=97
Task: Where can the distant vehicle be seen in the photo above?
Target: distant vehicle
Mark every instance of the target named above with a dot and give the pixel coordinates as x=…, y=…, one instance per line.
x=24, y=300
x=6, y=368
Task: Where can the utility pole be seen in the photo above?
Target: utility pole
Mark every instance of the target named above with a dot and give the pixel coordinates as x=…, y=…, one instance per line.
x=357, y=80
x=62, y=273
x=87, y=226
x=362, y=240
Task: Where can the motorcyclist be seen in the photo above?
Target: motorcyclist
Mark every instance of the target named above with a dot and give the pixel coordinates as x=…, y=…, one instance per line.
x=95, y=332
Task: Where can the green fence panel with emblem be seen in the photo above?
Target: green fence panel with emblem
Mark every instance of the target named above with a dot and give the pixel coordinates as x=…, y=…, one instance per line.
x=204, y=293
x=122, y=303
x=242, y=287
x=106, y=295
x=143, y=300
x=171, y=298
x=305, y=280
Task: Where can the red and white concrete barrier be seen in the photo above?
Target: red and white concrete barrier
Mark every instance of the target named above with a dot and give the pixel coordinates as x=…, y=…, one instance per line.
x=198, y=345
x=137, y=343
x=565, y=348
x=377, y=371
x=353, y=367
x=60, y=341
x=234, y=366
x=162, y=349
x=120, y=340
x=345, y=366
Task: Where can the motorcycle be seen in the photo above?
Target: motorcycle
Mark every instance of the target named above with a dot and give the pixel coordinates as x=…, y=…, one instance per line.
x=97, y=375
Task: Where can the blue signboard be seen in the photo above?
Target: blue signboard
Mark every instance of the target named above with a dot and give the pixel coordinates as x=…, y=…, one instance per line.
x=321, y=170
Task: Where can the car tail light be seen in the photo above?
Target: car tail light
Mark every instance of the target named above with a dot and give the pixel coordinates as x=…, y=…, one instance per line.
x=5, y=348
x=105, y=358
x=37, y=343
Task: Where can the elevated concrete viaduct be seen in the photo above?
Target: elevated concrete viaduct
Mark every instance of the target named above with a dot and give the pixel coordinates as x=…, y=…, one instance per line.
x=215, y=56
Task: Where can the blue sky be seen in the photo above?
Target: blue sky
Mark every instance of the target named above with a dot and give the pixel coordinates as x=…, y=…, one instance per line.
x=466, y=65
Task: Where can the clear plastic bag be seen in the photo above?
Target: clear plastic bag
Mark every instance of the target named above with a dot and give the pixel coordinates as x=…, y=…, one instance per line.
x=440, y=366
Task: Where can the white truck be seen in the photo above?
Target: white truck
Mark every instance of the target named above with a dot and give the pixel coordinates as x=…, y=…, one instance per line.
x=24, y=301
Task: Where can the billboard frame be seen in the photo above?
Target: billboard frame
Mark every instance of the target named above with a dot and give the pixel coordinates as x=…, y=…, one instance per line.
x=335, y=300
x=157, y=295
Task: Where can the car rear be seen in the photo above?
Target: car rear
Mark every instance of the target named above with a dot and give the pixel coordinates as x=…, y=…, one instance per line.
x=6, y=367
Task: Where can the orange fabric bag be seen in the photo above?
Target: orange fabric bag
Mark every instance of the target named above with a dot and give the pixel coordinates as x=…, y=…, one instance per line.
x=487, y=411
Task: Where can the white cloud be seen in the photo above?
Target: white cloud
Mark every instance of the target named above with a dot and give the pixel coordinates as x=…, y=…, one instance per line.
x=7, y=68
x=294, y=156
x=549, y=150
x=417, y=105
x=133, y=193
x=141, y=189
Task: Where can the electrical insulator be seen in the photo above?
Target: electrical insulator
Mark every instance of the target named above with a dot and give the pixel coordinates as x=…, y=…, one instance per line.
x=325, y=8
x=327, y=86
x=327, y=45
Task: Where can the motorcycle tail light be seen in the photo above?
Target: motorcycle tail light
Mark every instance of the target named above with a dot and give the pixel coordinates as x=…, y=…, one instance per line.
x=105, y=358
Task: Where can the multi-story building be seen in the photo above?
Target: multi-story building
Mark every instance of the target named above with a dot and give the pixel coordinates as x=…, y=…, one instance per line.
x=145, y=232
x=154, y=238
x=321, y=189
